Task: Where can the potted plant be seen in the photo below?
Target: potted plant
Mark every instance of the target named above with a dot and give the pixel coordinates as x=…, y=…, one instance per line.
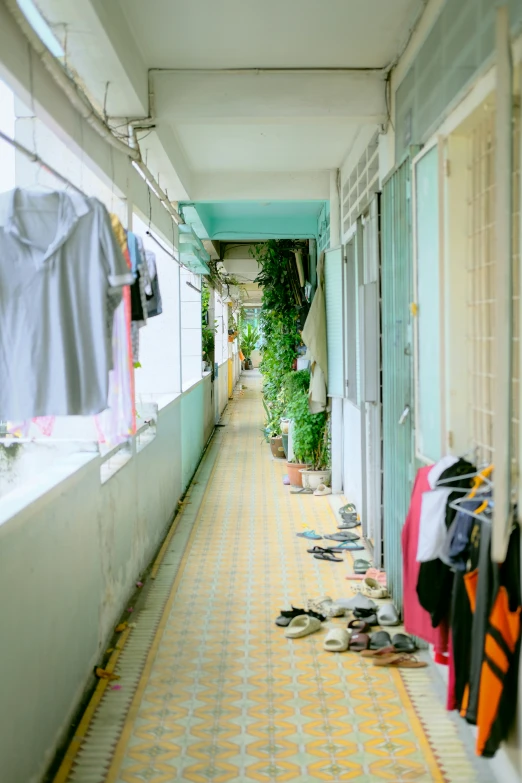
x=273, y=432
x=309, y=433
x=320, y=472
x=249, y=339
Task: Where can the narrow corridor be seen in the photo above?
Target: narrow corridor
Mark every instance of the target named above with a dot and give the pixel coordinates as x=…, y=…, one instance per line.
x=211, y=690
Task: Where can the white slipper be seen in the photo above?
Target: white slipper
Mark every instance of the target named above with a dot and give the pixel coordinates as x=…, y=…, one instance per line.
x=371, y=588
x=387, y=615
x=322, y=489
x=337, y=640
x=302, y=625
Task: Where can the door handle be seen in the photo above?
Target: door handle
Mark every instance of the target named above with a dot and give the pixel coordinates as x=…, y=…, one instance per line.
x=404, y=415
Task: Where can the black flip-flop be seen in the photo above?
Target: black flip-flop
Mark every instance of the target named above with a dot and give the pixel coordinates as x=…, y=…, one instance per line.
x=403, y=643
x=369, y=619
x=379, y=640
x=316, y=550
x=329, y=556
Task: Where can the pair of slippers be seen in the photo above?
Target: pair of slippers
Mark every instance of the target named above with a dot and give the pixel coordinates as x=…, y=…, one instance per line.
x=364, y=608
x=329, y=552
x=379, y=643
x=286, y=616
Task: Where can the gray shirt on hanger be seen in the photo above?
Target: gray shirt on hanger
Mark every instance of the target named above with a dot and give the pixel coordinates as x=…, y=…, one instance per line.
x=61, y=278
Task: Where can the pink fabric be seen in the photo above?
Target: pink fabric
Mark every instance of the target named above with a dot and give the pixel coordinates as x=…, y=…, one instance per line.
x=417, y=620
x=23, y=429
x=118, y=423
x=451, y=703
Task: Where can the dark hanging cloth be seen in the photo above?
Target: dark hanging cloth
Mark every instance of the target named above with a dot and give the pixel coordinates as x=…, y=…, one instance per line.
x=435, y=582
x=499, y=677
x=487, y=584
x=462, y=617
x=137, y=313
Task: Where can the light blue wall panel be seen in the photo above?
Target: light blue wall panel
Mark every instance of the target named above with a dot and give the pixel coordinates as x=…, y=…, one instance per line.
x=458, y=44
x=428, y=300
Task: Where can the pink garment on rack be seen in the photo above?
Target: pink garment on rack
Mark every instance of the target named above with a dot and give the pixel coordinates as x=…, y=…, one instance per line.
x=417, y=620
x=451, y=702
x=118, y=423
x=22, y=429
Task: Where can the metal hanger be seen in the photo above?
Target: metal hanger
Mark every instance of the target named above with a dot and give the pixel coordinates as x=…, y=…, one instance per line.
x=480, y=475
x=456, y=505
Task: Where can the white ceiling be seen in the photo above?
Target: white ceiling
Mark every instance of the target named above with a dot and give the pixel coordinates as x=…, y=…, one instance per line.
x=269, y=33
x=248, y=122
x=265, y=147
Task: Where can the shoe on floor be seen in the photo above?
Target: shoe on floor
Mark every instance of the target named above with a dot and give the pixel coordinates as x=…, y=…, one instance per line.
x=387, y=615
x=343, y=536
x=348, y=525
x=349, y=508
x=302, y=626
x=337, y=640
x=349, y=546
x=379, y=640
x=357, y=602
x=322, y=489
x=361, y=566
x=373, y=589
x=310, y=534
x=326, y=606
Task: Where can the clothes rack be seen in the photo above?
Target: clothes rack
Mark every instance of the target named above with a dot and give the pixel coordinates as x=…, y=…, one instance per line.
x=171, y=255
x=35, y=158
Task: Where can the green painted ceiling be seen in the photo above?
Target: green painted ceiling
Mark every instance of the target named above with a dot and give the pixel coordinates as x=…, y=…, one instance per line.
x=253, y=220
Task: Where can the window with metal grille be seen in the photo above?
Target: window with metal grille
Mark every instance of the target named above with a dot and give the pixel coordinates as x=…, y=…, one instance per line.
x=481, y=283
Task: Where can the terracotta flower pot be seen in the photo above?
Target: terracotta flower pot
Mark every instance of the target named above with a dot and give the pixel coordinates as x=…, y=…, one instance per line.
x=296, y=478
x=276, y=446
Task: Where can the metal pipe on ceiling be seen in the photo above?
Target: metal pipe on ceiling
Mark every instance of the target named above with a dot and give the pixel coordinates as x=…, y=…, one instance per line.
x=80, y=101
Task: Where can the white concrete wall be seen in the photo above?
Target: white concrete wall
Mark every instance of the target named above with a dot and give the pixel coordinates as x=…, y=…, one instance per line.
x=352, y=454
x=71, y=550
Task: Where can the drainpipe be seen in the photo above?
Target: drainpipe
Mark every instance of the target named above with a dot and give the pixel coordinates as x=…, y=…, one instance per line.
x=147, y=174
x=336, y=402
x=83, y=106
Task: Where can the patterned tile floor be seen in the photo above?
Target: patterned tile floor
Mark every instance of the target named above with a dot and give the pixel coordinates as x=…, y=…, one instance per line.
x=222, y=694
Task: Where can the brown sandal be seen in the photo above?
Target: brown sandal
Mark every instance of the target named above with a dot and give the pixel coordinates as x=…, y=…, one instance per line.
x=400, y=662
x=390, y=650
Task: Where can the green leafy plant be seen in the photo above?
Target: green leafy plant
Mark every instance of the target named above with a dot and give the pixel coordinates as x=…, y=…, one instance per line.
x=310, y=432
x=249, y=339
x=207, y=331
x=278, y=318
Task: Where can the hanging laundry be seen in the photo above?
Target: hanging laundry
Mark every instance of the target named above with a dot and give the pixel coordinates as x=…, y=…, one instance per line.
x=435, y=582
x=432, y=530
x=61, y=279
x=497, y=702
x=138, y=290
x=417, y=620
x=116, y=424
x=314, y=337
x=154, y=303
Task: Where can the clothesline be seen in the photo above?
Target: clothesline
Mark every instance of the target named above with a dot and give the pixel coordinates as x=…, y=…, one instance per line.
x=168, y=252
x=35, y=158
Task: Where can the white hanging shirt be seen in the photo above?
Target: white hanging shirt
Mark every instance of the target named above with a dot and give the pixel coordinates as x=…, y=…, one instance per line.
x=61, y=278
x=432, y=523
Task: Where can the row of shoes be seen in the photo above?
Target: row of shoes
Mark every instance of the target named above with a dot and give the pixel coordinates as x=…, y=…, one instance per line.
x=384, y=649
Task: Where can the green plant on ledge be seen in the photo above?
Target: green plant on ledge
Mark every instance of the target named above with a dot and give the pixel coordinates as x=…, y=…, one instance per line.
x=249, y=339
x=310, y=432
x=207, y=331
